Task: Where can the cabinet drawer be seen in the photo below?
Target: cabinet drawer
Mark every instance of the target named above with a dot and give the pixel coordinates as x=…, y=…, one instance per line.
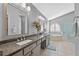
x=36, y=51
x=20, y=53
x=33, y=45
x=39, y=42
x=29, y=48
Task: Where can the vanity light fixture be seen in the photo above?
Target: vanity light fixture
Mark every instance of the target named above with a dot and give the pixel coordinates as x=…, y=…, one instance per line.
x=28, y=8
x=23, y=5
x=41, y=18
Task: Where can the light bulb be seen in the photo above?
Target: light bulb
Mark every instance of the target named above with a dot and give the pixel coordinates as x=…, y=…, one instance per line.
x=24, y=5
x=28, y=8
x=41, y=18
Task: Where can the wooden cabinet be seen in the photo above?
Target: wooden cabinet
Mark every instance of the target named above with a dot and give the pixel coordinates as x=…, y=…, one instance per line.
x=47, y=40
x=39, y=42
x=36, y=51
x=36, y=48
x=29, y=48
x=43, y=44
x=33, y=49
x=33, y=45
x=20, y=53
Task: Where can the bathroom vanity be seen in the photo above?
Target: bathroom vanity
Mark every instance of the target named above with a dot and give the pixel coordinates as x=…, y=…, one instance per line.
x=32, y=48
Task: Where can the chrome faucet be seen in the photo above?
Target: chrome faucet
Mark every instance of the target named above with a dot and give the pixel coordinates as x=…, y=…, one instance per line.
x=24, y=37
x=21, y=38
x=18, y=39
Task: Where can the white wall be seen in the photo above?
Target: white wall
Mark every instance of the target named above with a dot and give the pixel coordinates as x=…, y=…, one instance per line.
x=77, y=38
x=0, y=20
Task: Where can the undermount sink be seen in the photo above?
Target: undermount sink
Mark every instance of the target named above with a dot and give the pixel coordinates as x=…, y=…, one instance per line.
x=24, y=42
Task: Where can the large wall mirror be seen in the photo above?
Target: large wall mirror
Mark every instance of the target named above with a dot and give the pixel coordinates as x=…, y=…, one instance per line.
x=17, y=20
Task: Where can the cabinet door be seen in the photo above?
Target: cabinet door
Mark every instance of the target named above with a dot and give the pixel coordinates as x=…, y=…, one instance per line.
x=29, y=48
x=43, y=44
x=36, y=51
x=39, y=42
x=20, y=53
x=47, y=40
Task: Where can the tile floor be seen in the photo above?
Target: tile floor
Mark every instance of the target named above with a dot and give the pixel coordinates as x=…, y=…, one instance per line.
x=63, y=48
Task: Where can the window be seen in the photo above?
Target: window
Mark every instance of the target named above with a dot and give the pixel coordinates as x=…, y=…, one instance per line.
x=55, y=27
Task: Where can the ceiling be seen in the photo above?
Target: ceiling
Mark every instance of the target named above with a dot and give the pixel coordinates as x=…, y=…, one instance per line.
x=53, y=10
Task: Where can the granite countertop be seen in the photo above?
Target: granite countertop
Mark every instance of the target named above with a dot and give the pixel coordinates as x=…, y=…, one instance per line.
x=11, y=47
